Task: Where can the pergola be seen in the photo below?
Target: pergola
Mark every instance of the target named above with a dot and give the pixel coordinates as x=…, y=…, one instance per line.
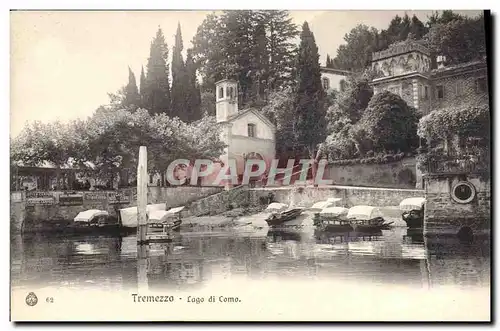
x=43, y=176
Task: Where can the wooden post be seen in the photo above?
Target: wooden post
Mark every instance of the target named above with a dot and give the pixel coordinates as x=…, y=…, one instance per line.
x=142, y=268
x=142, y=195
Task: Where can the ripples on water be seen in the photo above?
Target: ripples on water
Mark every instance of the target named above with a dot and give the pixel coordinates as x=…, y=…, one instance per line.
x=193, y=259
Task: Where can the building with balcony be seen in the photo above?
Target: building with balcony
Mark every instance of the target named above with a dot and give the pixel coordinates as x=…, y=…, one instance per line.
x=454, y=103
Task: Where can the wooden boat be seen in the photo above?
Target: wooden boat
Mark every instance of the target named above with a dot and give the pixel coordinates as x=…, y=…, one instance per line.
x=128, y=216
x=413, y=212
x=365, y=218
x=93, y=221
x=280, y=218
x=332, y=219
x=165, y=220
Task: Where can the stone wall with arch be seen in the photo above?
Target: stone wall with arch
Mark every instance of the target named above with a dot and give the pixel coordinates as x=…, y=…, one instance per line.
x=400, y=64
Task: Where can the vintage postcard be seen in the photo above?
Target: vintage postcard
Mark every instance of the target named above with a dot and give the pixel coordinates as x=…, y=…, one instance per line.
x=250, y=165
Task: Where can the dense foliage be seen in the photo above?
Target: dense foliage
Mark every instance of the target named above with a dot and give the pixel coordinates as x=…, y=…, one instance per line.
x=458, y=37
x=343, y=114
x=380, y=124
x=388, y=124
x=156, y=91
x=255, y=47
x=471, y=119
x=108, y=142
x=362, y=41
x=309, y=102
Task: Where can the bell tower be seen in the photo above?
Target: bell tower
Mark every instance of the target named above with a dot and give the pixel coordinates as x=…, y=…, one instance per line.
x=226, y=98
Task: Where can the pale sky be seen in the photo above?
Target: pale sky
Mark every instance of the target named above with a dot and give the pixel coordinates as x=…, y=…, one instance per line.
x=63, y=64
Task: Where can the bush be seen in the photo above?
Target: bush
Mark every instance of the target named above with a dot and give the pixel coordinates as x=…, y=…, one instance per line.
x=389, y=123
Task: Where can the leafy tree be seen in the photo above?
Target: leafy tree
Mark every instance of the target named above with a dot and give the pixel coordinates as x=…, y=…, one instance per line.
x=132, y=98
x=278, y=111
x=353, y=100
x=356, y=53
x=179, y=79
x=209, y=50
x=260, y=66
x=157, y=88
x=41, y=143
x=117, y=99
x=388, y=124
x=445, y=17
x=112, y=139
x=255, y=47
x=282, y=50
x=309, y=110
x=461, y=39
x=346, y=110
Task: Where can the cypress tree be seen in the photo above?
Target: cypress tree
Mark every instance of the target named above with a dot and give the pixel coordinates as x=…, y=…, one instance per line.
x=417, y=28
x=404, y=27
x=132, y=98
x=309, y=107
x=142, y=87
x=157, y=89
x=179, y=79
x=193, y=95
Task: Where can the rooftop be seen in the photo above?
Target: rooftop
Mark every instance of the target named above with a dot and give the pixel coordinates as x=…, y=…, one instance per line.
x=472, y=65
x=336, y=71
x=406, y=46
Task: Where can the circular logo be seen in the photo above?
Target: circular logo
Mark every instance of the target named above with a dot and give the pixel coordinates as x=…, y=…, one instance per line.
x=31, y=299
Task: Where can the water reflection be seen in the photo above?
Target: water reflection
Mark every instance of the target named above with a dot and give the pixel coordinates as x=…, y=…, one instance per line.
x=194, y=259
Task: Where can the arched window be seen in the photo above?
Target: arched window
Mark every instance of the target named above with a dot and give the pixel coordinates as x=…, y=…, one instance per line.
x=326, y=83
x=342, y=85
x=221, y=92
x=231, y=93
x=251, y=130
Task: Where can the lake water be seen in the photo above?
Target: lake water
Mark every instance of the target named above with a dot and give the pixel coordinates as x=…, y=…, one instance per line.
x=194, y=260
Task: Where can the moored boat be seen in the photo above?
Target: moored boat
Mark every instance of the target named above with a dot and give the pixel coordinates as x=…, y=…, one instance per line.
x=332, y=219
x=281, y=218
x=319, y=206
x=165, y=220
x=413, y=212
x=128, y=216
x=93, y=221
x=365, y=218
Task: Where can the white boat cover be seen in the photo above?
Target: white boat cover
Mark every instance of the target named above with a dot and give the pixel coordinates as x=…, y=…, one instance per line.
x=162, y=215
x=129, y=215
x=333, y=200
x=277, y=206
x=334, y=211
x=175, y=210
x=322, y=205
x=159, y=216
x=364, y=212
x=412, y=204
x=89, y=215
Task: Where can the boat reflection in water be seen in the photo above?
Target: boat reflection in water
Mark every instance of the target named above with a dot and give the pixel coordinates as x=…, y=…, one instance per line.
x=194, y=259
